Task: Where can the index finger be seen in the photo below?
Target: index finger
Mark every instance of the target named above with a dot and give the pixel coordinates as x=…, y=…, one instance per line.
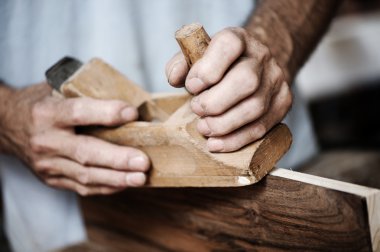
x=224, y=48
x=88, y=111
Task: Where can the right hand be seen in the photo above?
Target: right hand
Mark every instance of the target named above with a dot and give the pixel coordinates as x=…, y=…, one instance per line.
x=45, y=139
x=240, y=90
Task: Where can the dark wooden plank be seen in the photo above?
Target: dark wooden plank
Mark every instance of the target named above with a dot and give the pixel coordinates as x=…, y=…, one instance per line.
x=275, y=214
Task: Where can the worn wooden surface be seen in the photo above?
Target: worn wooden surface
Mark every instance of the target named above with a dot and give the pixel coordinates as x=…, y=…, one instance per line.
x=167, y=132
x=277, y=213
x=193, y=41
x=179, y=155
x=99, y=80
x=178, y=152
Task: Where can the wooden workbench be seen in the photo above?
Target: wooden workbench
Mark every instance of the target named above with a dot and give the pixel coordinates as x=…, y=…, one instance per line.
x=285, y=211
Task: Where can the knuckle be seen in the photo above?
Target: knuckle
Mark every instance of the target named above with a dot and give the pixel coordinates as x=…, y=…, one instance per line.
x=39, y=112
x=120, y=162
x=288, y=101
x=49, y=182
x=76, y=113
x=122, y=182
x=285, y=96
x=112, y=113
x=74, y=108
x=79, y=154
x=277, y=72
x=259, y=107
x=213, y=109
x=231, y=45
x=234, y=143
x=106, y=191
x=260, y=130
x=265, y=51
x=37, y=144
x=248, y=77
x=217, y=127
x=207, y=73
x=83, y=176
x=209, y=105
x=252, y=135
x=230, y=39
x=262, y=52
x=119, y=182
x=82, y=191
x=289, y=97
x=41, y=168
x=239, y=30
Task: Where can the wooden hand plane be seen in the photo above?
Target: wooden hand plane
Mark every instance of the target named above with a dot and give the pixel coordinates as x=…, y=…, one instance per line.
x=166, y=129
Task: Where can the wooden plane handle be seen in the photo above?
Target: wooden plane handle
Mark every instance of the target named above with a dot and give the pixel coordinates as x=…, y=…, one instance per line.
x=97, y=79
x=193, y=40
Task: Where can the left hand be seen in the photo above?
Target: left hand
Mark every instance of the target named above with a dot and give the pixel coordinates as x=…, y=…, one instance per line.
x=41, y=130
x=240, y=90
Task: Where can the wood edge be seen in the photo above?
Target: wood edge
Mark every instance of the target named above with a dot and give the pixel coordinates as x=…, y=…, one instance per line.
x=341, y=186
x=168, y=95
x=371, y=196
x=187, y=30
x=373, y=208
x=201, y=181
x=270, y=148
x=69, y=90
x=98, y=62
x=170, y=102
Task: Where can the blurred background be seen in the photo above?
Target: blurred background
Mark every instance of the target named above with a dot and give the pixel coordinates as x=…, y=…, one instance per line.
x=341, y=85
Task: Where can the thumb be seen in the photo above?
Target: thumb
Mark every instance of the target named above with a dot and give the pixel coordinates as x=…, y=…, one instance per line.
x=176, y=70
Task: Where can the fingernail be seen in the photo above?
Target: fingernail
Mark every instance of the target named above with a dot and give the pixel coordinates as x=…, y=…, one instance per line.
x=195, y=85
x=203, y=127
x=196, y=106
x=215, y=145
x=172, y=70
x=129, y=114
x=138, y=163
x=136, y=179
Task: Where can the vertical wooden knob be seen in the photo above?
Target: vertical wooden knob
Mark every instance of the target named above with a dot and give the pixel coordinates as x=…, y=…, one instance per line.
x=193, y=41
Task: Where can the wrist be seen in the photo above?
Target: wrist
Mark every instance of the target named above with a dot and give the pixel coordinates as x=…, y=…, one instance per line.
x=16, y=119
x=272, y=33
x=6, y=94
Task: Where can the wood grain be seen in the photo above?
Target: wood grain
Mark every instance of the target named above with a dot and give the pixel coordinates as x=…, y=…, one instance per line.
x=193, y=40
x=170, y=102
x=99, y=80
x=178, y=152
x=167, y=130
x=275, y=214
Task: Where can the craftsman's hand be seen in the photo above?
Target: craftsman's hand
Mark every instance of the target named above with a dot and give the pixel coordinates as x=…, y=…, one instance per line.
x=240, y=90
x=43, y=136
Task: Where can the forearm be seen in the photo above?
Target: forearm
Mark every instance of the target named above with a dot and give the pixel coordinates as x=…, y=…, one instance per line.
x=5, y=93
x=291, y=29
x=15, y=112
x=39, y=129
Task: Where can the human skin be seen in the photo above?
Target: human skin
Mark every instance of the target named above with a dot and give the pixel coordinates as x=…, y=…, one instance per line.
x=241, y=84
x=39, y=129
